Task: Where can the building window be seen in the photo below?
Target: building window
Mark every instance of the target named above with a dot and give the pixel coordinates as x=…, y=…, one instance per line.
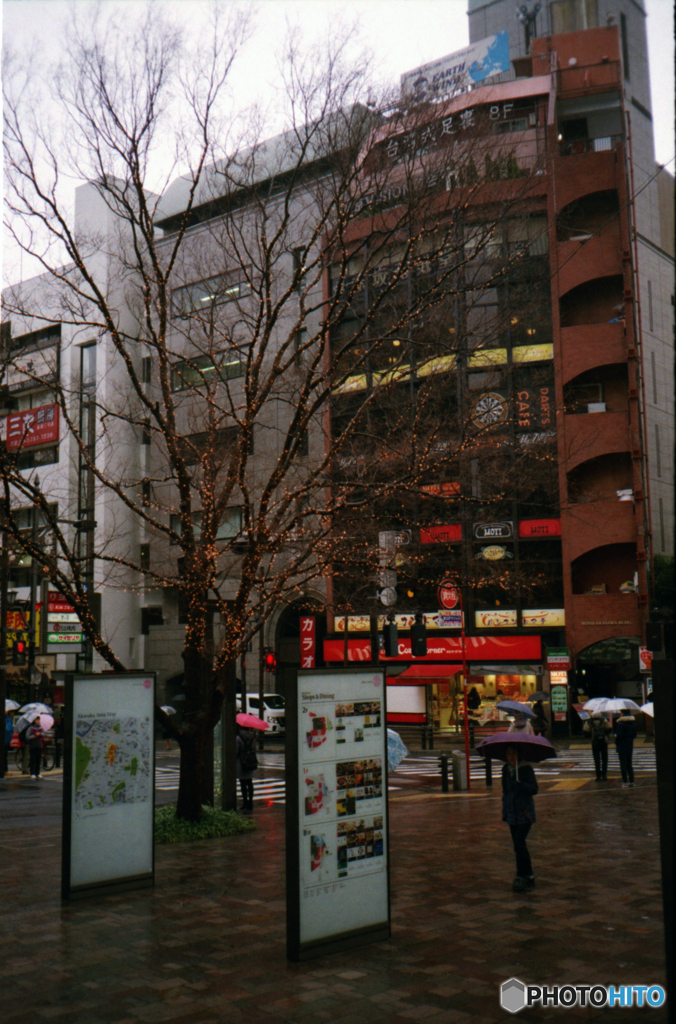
x=41, y=457
x=650, y=305
x=146, y=369
x=299, y=256
x=229, y=527
x=145, y=432
x=204, y=370
x=194, y=447
x=213, y=291
x=662, y=544
x=654, y=373
x=144, y=557
x=658, y=461
x=625, y=45
x=151, y=617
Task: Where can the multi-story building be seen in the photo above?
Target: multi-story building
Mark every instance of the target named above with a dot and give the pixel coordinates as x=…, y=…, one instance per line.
x=601, y=361
x=537, y=388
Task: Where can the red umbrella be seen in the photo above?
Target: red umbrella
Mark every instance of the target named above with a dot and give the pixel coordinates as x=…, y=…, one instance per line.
x=251, y=721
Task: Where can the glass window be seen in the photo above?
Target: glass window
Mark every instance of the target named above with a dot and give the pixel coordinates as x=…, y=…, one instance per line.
x=230, y=525
x=213, y=291
x=204, y=370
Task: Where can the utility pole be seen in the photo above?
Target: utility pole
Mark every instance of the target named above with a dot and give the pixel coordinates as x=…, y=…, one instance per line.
x=4, y=573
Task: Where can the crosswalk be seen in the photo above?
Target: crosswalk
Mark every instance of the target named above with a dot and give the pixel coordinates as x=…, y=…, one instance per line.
x=271, y=790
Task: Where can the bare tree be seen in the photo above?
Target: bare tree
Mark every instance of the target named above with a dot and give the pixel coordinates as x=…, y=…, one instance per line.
x=281, y=329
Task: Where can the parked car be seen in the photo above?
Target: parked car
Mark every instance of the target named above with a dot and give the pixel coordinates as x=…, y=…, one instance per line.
x=273, y=710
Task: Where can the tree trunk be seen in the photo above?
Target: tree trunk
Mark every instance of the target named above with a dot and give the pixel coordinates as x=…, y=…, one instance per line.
x=229, y=794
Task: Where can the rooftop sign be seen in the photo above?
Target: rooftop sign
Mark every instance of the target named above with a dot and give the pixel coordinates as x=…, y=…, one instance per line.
x=459, y=70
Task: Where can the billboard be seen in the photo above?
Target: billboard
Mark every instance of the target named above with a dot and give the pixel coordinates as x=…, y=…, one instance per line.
x=458, y=71
x=337, y=838
x=109, y=784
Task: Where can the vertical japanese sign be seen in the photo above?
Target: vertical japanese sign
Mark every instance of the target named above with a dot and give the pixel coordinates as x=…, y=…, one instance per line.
x=337, y=820
x=109, y=784
x=308, y=641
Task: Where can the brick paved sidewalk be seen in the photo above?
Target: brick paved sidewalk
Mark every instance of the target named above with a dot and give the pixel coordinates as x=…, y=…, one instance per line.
x=207, y=944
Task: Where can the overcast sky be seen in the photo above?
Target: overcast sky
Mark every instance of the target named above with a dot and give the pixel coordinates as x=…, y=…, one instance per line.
x=401, y=33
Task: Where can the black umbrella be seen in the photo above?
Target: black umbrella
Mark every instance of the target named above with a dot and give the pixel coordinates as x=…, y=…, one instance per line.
x=530, y=747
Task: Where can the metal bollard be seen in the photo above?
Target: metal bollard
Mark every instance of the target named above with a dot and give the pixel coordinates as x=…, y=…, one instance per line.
x=443, y=760
x=489, y=772
x=423, y=737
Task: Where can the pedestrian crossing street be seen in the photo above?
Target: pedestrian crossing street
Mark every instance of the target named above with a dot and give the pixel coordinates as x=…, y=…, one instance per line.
x=271, y=790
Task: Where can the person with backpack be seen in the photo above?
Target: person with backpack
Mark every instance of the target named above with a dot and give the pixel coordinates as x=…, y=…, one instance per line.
x=247, y=763
x=598, y=727
x=35, y=741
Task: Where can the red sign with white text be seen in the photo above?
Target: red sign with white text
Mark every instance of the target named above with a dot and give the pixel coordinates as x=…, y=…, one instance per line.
x=444, y=648
x=32, y=427
x=540, y=528
x=440, y=534
x=308, y=641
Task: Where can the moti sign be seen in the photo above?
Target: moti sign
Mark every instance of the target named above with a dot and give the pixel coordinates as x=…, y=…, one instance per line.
x=493, y=531
x=448, y=594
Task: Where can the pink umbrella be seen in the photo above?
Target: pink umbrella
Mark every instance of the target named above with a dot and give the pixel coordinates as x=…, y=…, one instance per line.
x=251, y=721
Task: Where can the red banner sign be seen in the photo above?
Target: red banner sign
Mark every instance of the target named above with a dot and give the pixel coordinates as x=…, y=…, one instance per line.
x=440, y=534
x=540, y=528
x=450, y=489
x=32, y=427
x=444, y=648
x=308, y=641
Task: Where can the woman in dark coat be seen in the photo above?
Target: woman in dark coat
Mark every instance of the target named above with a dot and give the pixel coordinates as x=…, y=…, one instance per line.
x=625, y=734
x=246, y=741
x=519, y=786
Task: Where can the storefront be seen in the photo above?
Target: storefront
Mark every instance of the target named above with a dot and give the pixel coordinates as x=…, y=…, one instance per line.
x=429, y=690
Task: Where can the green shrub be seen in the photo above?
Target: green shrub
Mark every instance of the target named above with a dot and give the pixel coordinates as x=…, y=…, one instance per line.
x=214, y=822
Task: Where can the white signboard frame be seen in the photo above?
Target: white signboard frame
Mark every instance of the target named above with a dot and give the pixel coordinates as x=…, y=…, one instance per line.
x=109, y=784
x=338, y=878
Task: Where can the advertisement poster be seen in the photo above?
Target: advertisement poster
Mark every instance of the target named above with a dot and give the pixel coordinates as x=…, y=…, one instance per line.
x=109, y=782
x=343, y=878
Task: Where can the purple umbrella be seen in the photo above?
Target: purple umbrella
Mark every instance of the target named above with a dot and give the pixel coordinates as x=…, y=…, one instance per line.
x=531, y=748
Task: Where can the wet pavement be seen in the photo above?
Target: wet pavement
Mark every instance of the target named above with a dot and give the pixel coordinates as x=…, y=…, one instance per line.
x=208, y=943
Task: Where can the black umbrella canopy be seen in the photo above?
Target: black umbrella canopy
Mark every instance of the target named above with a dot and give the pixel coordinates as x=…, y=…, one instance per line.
x=530, y=747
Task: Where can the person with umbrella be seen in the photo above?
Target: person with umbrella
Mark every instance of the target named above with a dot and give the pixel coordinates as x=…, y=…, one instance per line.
x=519, y=786
x=34, y=741
x=598, y=728
x=247, y=761
x=625, y=734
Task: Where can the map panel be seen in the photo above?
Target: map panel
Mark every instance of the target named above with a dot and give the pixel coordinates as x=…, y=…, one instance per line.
x=111, y=762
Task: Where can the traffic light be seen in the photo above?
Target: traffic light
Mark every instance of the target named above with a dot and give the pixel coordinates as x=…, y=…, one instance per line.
x=270, y=661
x=19, y=653
x=419, y=637
x=390, y=640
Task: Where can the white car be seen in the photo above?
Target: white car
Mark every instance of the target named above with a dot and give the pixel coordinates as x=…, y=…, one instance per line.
x=273, y=710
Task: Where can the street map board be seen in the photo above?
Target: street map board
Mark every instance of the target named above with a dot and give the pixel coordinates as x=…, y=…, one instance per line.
x=109, y=791
x=337, y=818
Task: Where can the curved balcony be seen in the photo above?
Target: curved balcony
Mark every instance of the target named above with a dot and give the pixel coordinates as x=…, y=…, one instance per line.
x=581, y=261
x=579, y=174
x=593, y=524
x=601, y=616
x=590, y=345
x=590, y=435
